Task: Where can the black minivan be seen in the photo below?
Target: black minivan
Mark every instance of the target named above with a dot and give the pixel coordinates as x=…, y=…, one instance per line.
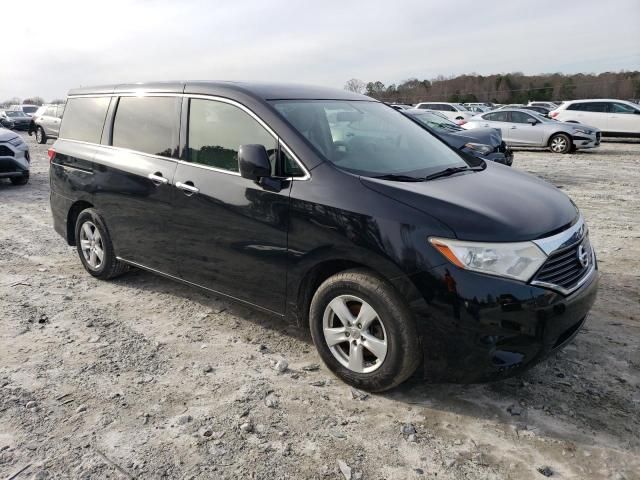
x=332, y=210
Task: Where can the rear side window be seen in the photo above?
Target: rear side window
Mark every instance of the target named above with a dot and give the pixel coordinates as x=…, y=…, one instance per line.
x=598, y=107
x=84, y=119
x=496, y=117
x=520, y=117
x=217, y=129
x=147, y=125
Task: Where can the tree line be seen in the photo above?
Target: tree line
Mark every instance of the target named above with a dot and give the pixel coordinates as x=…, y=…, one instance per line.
x=28, y=101
x=504, y=88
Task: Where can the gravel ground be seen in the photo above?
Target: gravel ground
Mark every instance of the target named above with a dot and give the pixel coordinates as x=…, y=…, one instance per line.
x=145, y=378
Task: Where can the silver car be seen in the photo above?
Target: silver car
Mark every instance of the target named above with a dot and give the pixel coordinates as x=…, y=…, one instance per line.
x=47, y=121
x=525, y=128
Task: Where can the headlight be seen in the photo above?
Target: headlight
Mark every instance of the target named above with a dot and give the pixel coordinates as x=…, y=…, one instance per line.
x=16, y=142
x=582, y=130
x=512, y=260
x=480, y=148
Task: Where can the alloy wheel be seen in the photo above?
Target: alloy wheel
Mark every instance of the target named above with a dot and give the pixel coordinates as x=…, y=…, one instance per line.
x=559, y=144
x=355, y=334
x=91, y=245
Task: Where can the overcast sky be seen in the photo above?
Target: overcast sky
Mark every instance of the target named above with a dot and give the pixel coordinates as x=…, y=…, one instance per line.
x=52, y=46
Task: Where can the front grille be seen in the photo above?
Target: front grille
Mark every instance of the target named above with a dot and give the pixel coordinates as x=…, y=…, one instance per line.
x=5, y=151
x=565, y=268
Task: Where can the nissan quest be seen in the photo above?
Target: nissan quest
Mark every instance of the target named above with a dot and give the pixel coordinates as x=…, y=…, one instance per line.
x=331, y=210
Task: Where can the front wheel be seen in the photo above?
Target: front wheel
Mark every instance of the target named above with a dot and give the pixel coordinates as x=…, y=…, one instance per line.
x=95, y=248
x=560, y=143
x=364, y=331
x=41, y=137
x=22, y=180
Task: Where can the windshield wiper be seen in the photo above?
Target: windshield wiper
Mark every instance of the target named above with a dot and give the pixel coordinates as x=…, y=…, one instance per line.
x=400, y=178
x=450, y=171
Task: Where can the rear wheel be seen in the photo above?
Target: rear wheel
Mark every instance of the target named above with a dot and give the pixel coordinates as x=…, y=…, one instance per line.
x=41, y=137
x=560, y=143
x=22, y=180
x=364, y=331
x=95, y=248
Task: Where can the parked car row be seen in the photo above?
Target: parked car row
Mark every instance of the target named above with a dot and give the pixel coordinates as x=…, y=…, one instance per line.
x=525, y=128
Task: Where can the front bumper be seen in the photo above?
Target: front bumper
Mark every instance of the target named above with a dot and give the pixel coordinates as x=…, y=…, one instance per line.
x=477, y=328
x=14, y=161
x=582, y=141
x=505, y=158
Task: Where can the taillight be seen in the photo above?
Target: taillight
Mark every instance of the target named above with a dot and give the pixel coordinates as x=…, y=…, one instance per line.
x=52, y=154
x=461, y=122
x=553, y=114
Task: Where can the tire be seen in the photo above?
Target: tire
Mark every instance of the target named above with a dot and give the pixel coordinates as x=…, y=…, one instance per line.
x=23, y=180
x=560, y=143
x=392, y=326
x=41, y=137
x=87, y=240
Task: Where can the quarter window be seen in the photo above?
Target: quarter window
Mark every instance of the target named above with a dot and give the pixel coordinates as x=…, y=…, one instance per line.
x=216, y=131
x=84, y=119
x=147, y=124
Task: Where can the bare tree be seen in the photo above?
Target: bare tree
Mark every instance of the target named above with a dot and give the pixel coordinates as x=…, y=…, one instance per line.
x=355, y=85
x=10, y=101
x=57, y=101
x=33, y=101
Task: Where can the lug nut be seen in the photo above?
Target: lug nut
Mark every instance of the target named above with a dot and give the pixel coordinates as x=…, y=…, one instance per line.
x=359, y=325
x=346, y=334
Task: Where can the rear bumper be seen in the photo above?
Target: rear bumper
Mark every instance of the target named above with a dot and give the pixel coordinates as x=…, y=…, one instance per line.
x=477, y=328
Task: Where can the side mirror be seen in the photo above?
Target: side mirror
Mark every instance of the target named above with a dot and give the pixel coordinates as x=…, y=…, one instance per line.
x=532, y=121
x=253, y=161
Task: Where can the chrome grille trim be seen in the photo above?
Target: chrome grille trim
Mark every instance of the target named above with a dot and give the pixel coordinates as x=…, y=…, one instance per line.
x=562, y=271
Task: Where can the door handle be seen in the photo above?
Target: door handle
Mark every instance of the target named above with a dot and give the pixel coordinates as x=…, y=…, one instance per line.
x=187, y=187
x=485, y=125
x=513, y=128
x=157, y=178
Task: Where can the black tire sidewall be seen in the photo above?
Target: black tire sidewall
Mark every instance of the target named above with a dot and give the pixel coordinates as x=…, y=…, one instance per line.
x=402, y=344
x=23, y=180
x=43, y=136
x=109, y=256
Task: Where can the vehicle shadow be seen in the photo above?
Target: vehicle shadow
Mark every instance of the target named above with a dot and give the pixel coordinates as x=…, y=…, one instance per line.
x=556, y=399
x=146, y=281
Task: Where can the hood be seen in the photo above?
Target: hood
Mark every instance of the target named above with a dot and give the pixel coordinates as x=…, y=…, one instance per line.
x=6, y=135
x=496, y=204
x=487, y=136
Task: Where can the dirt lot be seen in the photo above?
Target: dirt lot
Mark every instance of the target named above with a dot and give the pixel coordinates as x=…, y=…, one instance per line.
x=144, y=378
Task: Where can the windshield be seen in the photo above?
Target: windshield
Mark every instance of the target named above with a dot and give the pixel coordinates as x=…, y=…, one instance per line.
x=436, y=122
x=460, y=107
x=29, y=108
x=367, y=138
x=16, y=114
